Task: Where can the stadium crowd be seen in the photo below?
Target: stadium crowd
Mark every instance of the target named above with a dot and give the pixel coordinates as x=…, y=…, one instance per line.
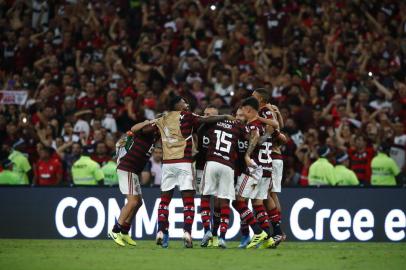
x=92, y=69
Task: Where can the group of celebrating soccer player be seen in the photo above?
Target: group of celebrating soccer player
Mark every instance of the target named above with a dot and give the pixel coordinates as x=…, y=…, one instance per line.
x=222, y=158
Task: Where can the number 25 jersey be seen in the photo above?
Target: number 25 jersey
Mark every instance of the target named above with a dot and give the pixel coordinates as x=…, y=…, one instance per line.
x=262, y=152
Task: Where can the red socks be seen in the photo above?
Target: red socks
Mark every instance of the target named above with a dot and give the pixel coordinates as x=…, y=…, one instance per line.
x=188, y=213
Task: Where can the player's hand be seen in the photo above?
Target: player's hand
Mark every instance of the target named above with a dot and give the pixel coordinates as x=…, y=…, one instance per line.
x=230, y=117
x=250, y=162
x=152, y=122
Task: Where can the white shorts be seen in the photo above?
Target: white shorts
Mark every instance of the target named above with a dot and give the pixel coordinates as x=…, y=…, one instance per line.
x=249, y=188
x=199, y=180
x=218, y=180
x=128, y=183
x=277, y=171
x=178, y=174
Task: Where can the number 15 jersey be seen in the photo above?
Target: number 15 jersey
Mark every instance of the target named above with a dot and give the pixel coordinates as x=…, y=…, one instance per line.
x=223, y=147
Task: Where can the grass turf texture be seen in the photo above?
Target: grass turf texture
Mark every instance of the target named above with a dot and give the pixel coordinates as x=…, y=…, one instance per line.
x=104, y=254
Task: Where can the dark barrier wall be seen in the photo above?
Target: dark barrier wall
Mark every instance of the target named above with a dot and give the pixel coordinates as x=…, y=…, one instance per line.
x=339, y=214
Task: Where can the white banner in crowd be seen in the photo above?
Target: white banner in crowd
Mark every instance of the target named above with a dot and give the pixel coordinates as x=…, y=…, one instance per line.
x=18, y=97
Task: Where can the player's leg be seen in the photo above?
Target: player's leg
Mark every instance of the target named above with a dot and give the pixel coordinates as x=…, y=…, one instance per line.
x=261, y=212
x=168, y=183
x=247, y=216
x=225, y=193
x=245, y=234
x=216, y=222
x=224, y=221
x=205, y=212
x=163, y=218
x=126, y=184
x=188, y=216
x=245, y=189
x=274, y=213
x=273, y=204
x=134, y=202
x=187, y=187
x=207, y=190
x=261, y=215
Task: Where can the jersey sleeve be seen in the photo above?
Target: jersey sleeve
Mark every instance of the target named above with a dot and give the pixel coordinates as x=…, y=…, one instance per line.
x=192, y=118
x=267, y=114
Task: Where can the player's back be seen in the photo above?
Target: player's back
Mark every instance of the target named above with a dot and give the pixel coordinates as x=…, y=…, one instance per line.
x=223, y=147
x=137, y=155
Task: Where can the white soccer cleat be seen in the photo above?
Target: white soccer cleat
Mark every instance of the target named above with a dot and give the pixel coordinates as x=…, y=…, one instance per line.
x=159, y=238
x=187, y=240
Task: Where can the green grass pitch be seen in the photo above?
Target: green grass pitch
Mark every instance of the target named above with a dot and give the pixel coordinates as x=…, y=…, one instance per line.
x=104, y=254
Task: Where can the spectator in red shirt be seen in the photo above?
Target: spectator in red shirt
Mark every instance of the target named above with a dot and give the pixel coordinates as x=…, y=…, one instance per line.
x=91, y=99
x=48, y=170
x=360, y=158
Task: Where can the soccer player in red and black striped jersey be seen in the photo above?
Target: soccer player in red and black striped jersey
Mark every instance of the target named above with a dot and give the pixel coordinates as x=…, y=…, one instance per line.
x=133, y=152
x=210, y=238
x=267, y=111
x=176, y=128
x=254, y=182
x=218, y=175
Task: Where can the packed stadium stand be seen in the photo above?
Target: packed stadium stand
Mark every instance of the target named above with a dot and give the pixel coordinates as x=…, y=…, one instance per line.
x=75, y=75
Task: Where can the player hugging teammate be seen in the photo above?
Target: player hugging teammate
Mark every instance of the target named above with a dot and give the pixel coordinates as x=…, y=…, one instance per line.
x=219, y=161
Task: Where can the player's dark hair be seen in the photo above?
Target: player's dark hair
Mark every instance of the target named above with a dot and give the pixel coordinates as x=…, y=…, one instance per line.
x=173, y=100
x=264, y=93
x=252, y=102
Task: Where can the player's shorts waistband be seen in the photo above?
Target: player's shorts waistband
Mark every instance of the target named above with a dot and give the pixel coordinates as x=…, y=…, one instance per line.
x=171, y=161
x=276, y=156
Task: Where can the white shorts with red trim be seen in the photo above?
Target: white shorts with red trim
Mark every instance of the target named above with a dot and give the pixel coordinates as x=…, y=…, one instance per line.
x=128, y=183
x=218, y=180
x=277, y=172
x=249, y=188
x=178, y=174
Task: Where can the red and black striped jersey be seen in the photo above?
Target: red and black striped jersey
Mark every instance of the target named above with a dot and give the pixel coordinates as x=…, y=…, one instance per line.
x=203, y=142
x=138, y=153
x=266, y=113
x=262, y=153
x=223, y=146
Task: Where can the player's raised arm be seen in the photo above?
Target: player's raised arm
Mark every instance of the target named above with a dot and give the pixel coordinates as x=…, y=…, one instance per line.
x=252, y=143
x=270, y=122
x=214, y=118
x=137, y=127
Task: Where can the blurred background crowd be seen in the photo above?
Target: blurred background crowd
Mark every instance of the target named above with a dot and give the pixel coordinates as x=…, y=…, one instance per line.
x=78, y=74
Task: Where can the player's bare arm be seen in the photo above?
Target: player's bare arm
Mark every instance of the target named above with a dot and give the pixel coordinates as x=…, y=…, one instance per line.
x=278, y=114
x=269, y=122
x=214, y=118
x=137, y=127
x=252, y=143
x=281, y=138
